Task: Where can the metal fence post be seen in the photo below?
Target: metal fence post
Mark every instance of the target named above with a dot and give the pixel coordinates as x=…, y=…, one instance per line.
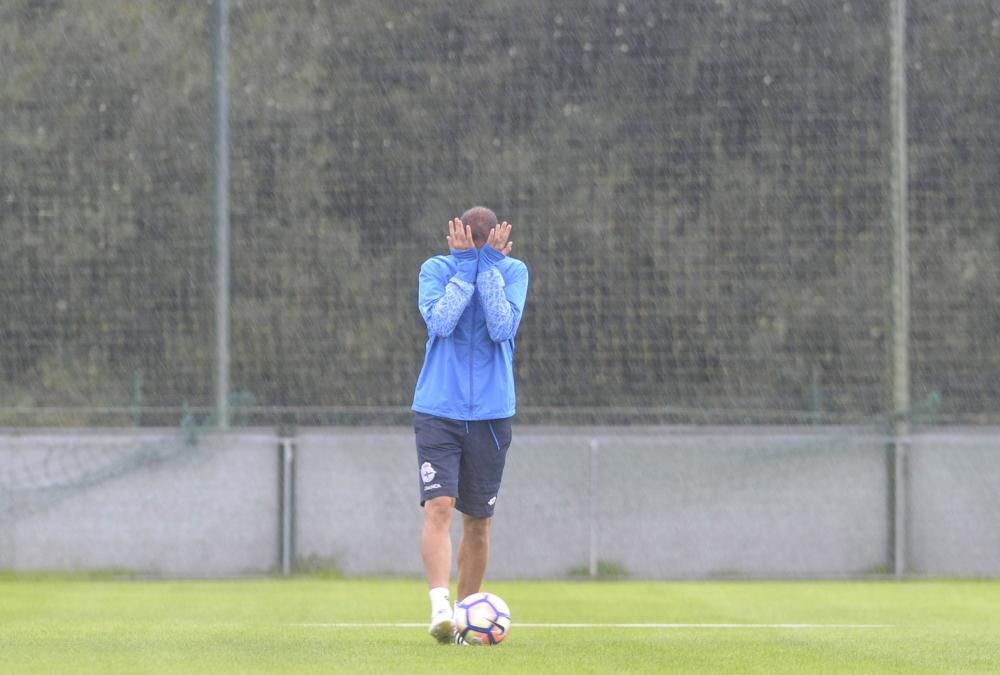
x=594, y=507
x=220, y=91
x=900, y=286
x=286, y=448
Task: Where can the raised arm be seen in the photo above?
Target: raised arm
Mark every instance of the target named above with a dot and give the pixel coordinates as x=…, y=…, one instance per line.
x=442, y=299
x=503, y=302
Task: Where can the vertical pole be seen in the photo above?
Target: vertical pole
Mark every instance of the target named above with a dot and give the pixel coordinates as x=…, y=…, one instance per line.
x=594, y=459
x=287, y=447
x=900, y=284
x=137, y=397
x=220, y=90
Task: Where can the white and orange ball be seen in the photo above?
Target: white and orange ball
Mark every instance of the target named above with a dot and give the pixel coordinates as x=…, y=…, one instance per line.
x=482, y=619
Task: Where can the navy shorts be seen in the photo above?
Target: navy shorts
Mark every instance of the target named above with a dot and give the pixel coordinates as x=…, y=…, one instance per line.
x=463, y=460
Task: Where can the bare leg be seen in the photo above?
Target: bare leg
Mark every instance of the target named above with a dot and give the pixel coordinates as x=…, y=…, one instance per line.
x=473, y=552
x=435, y=540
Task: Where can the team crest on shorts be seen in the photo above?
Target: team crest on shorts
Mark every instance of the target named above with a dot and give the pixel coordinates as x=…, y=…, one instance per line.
x=427, y=472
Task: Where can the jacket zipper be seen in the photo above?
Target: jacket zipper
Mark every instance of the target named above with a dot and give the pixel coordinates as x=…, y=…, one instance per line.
x=472, y=353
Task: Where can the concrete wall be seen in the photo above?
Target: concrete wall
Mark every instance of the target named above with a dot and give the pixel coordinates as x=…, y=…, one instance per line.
x=651, y=502
x=149, y=502
x=954, y=503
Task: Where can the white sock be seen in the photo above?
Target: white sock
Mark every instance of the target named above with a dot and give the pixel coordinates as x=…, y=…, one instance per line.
x=439, y=600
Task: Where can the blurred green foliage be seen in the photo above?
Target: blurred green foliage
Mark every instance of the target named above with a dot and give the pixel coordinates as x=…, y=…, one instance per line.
x=700, y=190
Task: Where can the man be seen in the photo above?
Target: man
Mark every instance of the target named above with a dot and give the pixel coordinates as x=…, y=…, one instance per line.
x=472, y=301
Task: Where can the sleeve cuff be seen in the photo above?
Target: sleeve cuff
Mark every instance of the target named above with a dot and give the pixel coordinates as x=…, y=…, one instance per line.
x=468, y=262
x=489, y=256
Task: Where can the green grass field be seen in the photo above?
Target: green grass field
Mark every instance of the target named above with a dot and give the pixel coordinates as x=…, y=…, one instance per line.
x=87, y=625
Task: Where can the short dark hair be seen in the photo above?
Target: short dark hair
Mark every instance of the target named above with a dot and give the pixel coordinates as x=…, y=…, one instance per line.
x=480, y=220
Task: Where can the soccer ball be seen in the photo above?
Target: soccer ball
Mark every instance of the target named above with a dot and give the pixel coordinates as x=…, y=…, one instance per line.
x=482, y=619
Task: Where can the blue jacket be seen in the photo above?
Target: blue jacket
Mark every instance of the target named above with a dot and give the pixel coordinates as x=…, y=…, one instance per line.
x=472, y=302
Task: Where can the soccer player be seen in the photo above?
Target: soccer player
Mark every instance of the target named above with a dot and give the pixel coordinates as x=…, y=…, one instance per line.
x=472, y=301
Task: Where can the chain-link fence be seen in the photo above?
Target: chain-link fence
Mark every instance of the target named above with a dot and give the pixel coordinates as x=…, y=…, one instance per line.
x=701, y=191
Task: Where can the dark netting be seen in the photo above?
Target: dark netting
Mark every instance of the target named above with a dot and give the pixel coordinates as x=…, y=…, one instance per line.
x=955, y=209
x=700, y=190
x=104, y=205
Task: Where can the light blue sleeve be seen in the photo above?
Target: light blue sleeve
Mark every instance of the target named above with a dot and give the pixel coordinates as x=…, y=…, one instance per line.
x=442, y=300
x=503, y=301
